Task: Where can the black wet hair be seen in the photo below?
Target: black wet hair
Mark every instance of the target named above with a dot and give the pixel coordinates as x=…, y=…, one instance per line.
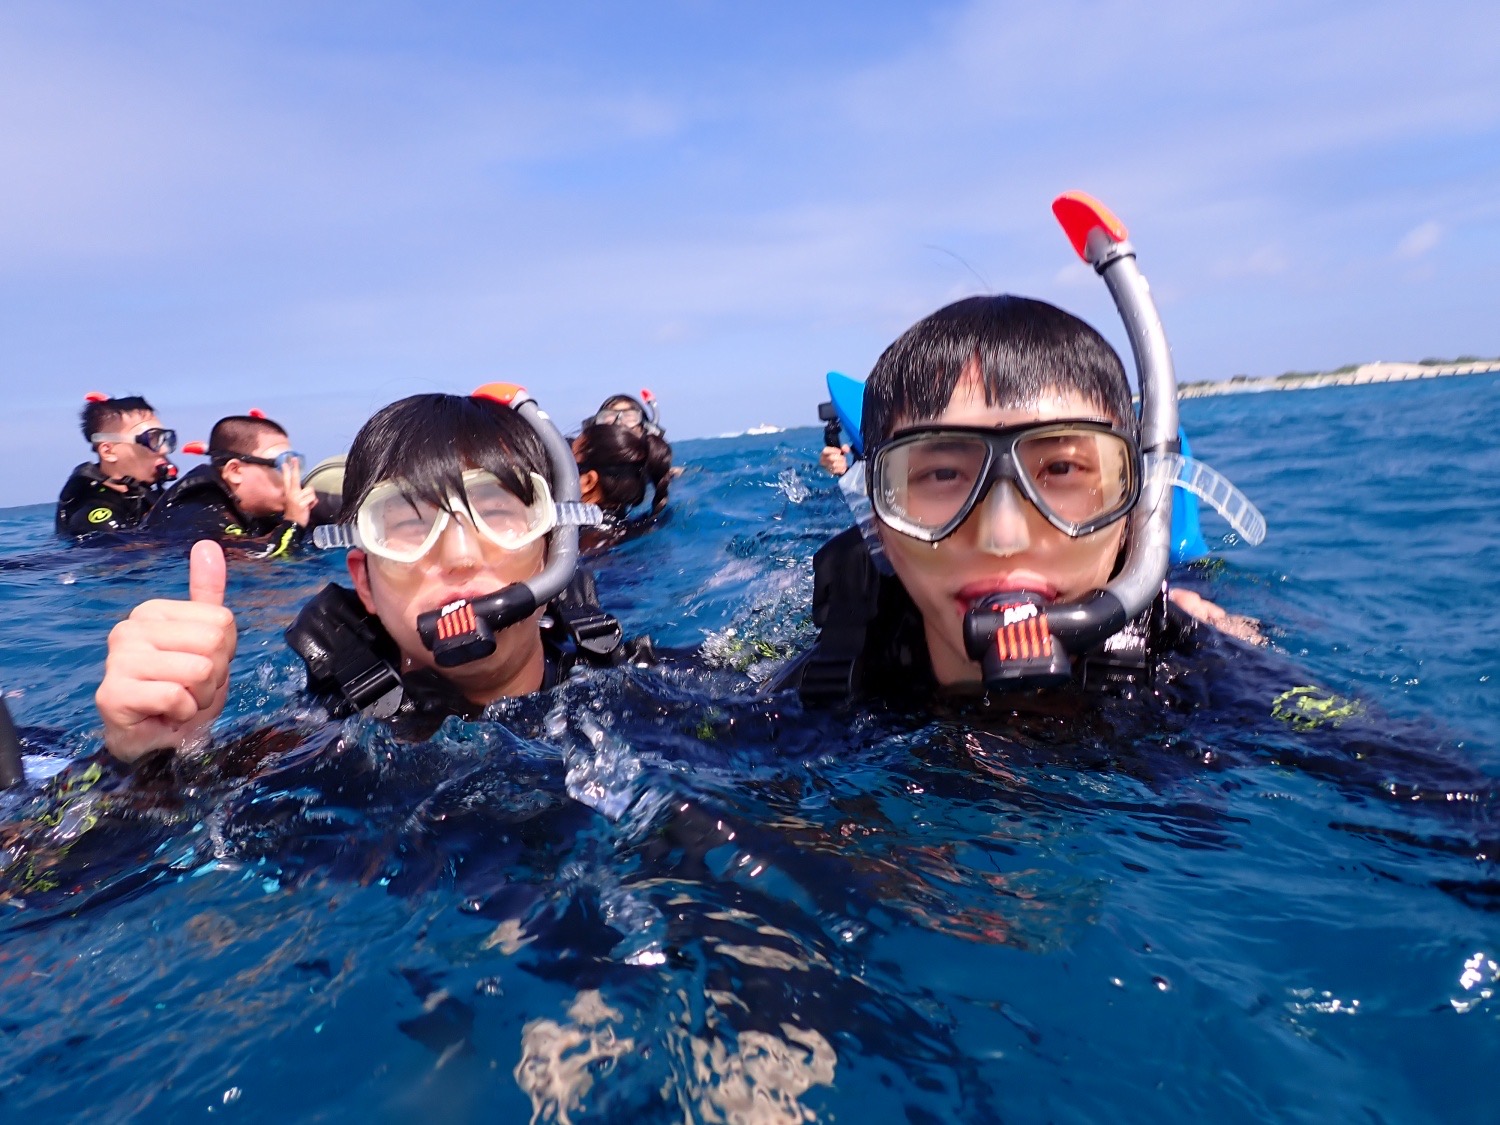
x=103, y=417
x=1023, y=348
x=426, y=443
x=626, y=461
x=240, y=435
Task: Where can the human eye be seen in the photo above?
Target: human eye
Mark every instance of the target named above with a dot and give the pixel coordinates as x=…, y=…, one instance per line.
x=940, y=468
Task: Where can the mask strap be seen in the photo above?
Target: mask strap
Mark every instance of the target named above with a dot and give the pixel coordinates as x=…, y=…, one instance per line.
x=1214, y=489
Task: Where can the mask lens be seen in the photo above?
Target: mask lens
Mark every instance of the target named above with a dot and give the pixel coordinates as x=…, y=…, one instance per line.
x=1077, y=475
x=281, y=460
x=625, y=416
x=929, y=481
x=394, y=526
x=158, y=440
x=501, y=516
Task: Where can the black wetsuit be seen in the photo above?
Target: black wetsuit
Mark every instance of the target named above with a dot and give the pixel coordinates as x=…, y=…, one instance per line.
x=200, y=506
x=872, y=645
x=88, y=505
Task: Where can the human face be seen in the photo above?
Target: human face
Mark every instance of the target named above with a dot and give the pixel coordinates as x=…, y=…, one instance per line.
x=1004, y=544
x=462, y=564
x=128, y=458
x=259, y=490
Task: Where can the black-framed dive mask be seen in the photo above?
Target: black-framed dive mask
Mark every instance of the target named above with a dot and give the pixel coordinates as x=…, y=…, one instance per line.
x=1081, y=475
x=158, y=439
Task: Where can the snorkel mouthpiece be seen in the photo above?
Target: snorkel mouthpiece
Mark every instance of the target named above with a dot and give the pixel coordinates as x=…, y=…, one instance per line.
x=1008, y=634
x=462, y=631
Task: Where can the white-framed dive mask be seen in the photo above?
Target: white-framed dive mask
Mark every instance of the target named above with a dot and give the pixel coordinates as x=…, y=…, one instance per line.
x=393, y=526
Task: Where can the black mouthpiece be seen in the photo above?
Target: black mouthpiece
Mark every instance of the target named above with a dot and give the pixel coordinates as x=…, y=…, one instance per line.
x=1009, y=636
x=463, y=631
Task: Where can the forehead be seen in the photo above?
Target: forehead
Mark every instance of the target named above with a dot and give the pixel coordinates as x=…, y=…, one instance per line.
x=967, y=407
x=139, y=421
x=270, y=445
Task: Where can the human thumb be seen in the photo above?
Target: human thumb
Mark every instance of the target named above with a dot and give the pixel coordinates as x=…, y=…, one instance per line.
x=206, y=573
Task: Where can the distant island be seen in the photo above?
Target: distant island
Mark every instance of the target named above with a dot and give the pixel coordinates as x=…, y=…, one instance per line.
x=1351, y=376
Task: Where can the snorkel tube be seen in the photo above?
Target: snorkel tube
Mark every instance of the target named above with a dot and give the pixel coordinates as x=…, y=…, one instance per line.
x=465, y=630
x=1020, y=639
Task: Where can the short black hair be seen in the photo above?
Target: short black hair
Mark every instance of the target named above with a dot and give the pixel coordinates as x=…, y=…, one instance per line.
x=103, y=416
x=626, y=461
x=425, y=443
x=240, y=435
x=1023, y=348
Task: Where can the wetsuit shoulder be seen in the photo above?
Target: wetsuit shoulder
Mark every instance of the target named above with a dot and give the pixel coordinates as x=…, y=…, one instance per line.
x=87, y=505
x=201, y=507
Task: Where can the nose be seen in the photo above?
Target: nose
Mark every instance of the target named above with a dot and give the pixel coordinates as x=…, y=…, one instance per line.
x=458, y=545
x=1003, y=524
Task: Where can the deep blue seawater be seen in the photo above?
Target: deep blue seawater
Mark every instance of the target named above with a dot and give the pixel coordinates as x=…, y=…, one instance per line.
x=649, y=897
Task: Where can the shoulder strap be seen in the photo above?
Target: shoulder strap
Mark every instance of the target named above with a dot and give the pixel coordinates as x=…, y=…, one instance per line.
x=347, y=651
x=1129, y=656
x=846, y=598
x=596, y=635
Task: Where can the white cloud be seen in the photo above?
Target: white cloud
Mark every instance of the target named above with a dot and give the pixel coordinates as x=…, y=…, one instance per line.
x=1420, y=241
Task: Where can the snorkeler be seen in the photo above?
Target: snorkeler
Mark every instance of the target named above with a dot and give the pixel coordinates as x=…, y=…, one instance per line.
x=115, y=491
x=1016, y=529
x=250, y=492
x=456, y=550
x=616, y=463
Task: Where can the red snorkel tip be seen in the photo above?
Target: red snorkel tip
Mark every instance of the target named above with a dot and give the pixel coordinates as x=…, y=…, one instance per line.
x=647, y=396
x=195, y=448
x=255, y=412
x=1080, y=214
x=506, y=394
x=96, y=396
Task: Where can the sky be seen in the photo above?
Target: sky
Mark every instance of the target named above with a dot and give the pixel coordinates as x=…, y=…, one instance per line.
x=316, y=208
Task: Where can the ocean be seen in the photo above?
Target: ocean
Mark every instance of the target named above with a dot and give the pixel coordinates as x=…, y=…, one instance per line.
x=651, y=896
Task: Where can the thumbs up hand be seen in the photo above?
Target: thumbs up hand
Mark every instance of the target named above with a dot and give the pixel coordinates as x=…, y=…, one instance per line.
x=167, y=672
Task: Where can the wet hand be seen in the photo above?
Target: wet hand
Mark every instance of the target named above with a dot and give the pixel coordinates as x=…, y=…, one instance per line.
x=167, y=672
x=1211, y=613
x=299, y=501
x=835, y=459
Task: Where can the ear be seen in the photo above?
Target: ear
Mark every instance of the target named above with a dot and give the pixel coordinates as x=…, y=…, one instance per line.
x=588, y=485
x=359, y=573
x=107, y=452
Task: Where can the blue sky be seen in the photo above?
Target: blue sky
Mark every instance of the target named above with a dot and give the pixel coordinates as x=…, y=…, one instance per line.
x=317, y=208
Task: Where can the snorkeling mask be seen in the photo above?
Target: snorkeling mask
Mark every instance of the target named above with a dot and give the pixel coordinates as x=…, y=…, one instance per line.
x=158, y=439
x=1020, y=639
x=392, y=527
x=1080, y=475
x=642, y=413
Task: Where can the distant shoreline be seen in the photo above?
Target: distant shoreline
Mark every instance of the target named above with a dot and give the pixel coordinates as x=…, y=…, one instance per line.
x=1354, y=375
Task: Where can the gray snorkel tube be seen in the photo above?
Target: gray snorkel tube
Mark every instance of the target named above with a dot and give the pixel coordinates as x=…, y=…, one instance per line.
x=1021, y=640
x=465, y=630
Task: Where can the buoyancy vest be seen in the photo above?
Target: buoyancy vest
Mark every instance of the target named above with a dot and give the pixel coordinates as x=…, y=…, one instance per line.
x=87, y=504
x=871, y=641
x=353, y=662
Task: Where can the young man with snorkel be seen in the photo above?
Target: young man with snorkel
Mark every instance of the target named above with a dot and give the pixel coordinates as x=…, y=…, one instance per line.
x=250, y=493
x=1015, y=510
x=115, y=491
x=455, y=549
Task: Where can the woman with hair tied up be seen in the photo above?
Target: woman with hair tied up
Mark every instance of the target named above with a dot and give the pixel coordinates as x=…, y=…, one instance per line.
x=616, y=463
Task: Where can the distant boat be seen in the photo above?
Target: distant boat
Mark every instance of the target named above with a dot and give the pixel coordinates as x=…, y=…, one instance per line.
x=756, y=431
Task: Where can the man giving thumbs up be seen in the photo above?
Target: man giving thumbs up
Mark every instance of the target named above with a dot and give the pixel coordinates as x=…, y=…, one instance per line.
x=167, y=672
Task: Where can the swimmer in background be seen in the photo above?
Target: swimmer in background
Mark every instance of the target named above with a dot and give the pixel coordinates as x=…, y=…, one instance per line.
x=250, y=493
x=447, y=499
x=117, y=490
x=616, y=463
